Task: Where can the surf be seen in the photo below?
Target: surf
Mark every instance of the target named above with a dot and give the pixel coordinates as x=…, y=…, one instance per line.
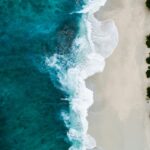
x=94, y=42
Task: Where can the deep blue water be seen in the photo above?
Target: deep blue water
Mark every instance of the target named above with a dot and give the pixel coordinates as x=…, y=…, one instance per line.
x=30, y=104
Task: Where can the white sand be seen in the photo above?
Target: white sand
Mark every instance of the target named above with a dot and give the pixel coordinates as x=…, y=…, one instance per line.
x=119, y=117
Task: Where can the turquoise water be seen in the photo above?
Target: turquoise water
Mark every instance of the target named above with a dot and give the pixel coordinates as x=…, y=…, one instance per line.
x=30, y=104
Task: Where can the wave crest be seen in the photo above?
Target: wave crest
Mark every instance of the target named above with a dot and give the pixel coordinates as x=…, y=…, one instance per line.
x=90, y=50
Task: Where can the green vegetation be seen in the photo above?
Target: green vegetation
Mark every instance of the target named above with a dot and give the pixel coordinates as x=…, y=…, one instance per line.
x=148, y=93
x=148, y=70
x=147, y=3
x=148, y=73
x=148, y=41
x=148, y=60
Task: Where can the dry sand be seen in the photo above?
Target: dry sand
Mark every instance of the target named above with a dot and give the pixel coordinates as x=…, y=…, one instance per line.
x=119, y=117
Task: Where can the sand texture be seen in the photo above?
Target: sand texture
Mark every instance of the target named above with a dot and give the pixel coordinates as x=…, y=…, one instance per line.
x=119, y=117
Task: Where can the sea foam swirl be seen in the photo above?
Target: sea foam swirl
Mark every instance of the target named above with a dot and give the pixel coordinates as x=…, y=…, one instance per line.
x=94, y=43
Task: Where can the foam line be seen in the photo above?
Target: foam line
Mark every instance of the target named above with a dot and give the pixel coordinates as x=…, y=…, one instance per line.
x=91, y=49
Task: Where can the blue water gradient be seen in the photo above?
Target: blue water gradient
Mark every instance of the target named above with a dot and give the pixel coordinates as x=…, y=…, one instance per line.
x=30, y=104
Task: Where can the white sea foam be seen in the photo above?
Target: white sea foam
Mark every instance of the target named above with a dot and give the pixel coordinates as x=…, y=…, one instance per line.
x=93, y=48
x=92, y=6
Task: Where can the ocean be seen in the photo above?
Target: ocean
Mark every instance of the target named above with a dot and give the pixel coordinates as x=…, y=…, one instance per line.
x=46, y=53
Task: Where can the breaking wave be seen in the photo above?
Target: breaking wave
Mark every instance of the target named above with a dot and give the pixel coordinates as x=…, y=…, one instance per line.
x=93, y=44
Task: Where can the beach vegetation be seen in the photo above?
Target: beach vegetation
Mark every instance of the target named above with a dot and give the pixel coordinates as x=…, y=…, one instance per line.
x=148, y=60
x=148, y=73
x=148, y=41
x=148, y=92
x=148, y=37
x=147, y=3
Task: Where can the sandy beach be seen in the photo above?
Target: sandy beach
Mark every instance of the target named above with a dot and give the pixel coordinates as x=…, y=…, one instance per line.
x=119, y=117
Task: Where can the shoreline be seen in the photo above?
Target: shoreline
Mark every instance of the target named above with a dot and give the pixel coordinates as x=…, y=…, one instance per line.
x=120, y=108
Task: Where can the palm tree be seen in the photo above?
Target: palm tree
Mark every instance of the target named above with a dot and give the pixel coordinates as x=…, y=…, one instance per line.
x=148, y=38
x=147, y=3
